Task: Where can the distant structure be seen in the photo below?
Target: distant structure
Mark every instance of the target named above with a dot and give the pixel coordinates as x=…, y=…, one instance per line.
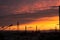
x=25, y=28
x=17, y=25
x=36, y=27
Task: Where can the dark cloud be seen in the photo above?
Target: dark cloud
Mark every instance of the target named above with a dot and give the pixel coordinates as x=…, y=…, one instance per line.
x=54, y=7
x=16, y=2
x=8, y=7
x=27, y=17
x=25, y=2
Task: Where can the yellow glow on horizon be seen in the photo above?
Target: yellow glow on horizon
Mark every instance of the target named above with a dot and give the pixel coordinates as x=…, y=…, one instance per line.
x=45, y=23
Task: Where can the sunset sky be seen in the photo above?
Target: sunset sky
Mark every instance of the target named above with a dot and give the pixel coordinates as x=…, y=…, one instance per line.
x=31, y=13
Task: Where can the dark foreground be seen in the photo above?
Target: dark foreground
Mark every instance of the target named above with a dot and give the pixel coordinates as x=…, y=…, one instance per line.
x=23, y=35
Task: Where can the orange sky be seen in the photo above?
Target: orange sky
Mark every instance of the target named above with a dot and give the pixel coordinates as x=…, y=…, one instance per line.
x=45, y=23
x=29, y=6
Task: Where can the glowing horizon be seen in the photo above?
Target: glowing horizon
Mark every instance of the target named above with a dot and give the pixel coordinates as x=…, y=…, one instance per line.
x=46, y=23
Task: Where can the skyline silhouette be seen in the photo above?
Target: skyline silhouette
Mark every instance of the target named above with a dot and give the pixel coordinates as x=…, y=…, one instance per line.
x=26, y=27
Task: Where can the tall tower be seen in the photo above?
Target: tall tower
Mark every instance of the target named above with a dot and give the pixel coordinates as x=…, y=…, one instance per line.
x=17, y=25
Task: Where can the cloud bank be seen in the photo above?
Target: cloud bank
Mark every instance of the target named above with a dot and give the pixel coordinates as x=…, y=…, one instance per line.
x=8, y=7
x=26, y=11
x=24, y=18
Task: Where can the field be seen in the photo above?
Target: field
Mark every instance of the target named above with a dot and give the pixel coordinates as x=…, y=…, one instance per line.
x=29, y=35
